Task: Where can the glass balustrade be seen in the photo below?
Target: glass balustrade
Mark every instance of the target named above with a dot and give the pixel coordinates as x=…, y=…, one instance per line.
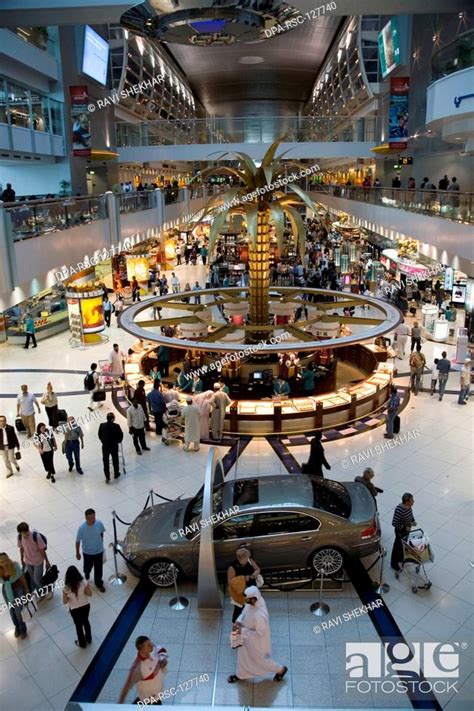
x=248, y=130
x=134, y=202
x=40, y=217
x=454, y=57
x=448, y=204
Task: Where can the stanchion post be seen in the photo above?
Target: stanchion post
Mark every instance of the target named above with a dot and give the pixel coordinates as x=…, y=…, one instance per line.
x=177, y=603
x=382, y=587
x=320, y=608
x=151, y=497
x=118, y=578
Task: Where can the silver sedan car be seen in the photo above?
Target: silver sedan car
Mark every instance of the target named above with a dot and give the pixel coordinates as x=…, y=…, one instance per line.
x=287, y=521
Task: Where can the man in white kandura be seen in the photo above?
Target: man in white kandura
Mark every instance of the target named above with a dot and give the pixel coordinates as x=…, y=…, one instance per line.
x=402, y=332
x=117, y=362
x=191, y=425
x=219, y=403
x=253, y=657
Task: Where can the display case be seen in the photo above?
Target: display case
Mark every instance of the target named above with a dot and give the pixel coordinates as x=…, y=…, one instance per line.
x=278, y=415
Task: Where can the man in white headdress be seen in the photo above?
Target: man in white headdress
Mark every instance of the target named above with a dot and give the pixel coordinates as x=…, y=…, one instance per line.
x=203, y=404
x=219, y=402
x=191, y=425
x=253, y=657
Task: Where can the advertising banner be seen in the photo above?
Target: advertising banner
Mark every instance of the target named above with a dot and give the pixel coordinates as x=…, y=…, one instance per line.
x=92, y=314
x=81, y=134
x=398, y=112
x=138, y=267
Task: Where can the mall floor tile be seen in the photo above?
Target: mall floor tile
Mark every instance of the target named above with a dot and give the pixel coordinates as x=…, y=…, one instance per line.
x=47, y=665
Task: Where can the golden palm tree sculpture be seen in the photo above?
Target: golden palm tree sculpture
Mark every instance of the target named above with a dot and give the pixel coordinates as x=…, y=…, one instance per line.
x=261, y=203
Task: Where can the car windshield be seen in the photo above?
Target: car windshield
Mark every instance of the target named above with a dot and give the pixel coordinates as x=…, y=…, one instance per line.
x=332, y=497
x=193, y=513
x=245, y=492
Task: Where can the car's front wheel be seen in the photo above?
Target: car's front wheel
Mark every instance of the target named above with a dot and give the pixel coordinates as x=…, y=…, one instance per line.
x=328, y=561
x=162, y=573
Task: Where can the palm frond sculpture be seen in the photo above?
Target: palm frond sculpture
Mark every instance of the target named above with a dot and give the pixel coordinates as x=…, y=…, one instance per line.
x=261, y=203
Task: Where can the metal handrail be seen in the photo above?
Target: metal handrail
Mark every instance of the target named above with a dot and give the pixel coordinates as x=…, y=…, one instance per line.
x=445, y=204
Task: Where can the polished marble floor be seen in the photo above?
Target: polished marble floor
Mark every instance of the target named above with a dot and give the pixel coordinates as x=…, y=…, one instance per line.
x=41, y=672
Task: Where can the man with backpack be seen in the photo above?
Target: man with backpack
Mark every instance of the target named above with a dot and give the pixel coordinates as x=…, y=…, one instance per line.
x=91, y=384
x=417, y=364
x=33, y=546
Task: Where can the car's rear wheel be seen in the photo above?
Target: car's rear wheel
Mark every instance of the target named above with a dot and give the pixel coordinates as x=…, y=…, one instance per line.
x=328, y=561
x=161, y=573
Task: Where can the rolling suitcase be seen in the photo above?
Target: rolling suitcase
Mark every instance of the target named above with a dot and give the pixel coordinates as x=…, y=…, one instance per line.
x=61, y=416
x=396, y=425
x=20, y=427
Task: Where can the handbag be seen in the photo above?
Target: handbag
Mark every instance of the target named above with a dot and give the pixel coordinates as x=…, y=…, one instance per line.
x=17, y=455
x=236, y=639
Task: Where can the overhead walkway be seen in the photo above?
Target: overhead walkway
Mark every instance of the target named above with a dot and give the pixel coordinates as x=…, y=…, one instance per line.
x=204, y=139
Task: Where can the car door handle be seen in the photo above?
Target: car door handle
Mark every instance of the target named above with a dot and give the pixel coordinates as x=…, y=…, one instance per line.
x=306, y=538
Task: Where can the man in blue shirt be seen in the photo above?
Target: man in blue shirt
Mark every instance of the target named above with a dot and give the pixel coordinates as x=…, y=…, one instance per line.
x=91, y=535
x=280, y=387
x=307, y=377
x=157, y=405
x=30, y=332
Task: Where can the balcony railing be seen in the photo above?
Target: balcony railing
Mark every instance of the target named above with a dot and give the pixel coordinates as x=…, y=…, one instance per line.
x=135, y=202
x=33, y=218
x=450, y=205
x=454, y=57
x=38, y=217
x=248, y=130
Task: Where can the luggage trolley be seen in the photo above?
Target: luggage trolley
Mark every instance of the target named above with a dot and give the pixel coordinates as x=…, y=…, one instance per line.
x=416, y=552
x=173, y=430
x=106, y=377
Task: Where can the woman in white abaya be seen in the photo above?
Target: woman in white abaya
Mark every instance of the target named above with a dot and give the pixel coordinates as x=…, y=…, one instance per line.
x=253, y=657
x=203, y=403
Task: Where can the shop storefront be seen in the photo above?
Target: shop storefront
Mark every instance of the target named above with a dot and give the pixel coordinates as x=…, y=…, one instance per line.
x=49, y=311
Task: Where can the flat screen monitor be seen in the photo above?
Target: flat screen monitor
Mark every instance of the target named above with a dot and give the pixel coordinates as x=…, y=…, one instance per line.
x=389, y=47
x=95, y=56
x=257, y=375
x=459, y=294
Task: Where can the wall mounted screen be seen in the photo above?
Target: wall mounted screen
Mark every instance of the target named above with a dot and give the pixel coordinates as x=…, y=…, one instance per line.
x=95, y=56
x=389, y=47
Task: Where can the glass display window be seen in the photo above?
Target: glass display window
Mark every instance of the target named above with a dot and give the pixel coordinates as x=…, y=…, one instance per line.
x=19, y=106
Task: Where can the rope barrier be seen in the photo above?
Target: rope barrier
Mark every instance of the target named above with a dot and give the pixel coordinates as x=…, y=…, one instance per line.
x=162, y=497
x=121, y=521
